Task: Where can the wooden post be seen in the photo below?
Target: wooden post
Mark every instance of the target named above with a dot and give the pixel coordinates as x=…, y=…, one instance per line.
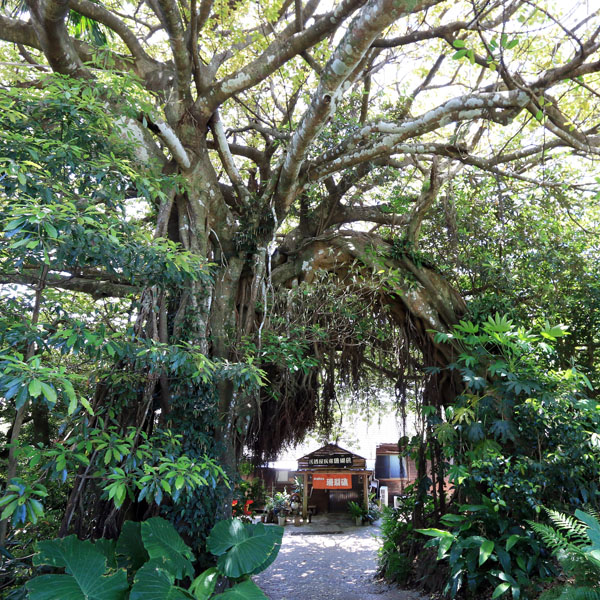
x=366, y=490
x=305, y=497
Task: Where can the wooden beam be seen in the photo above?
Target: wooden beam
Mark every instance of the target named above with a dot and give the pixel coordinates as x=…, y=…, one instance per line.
x=305, y=497
x=366, y=490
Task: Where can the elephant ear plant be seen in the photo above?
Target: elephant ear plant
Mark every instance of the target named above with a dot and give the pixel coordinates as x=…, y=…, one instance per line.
x=150, y=561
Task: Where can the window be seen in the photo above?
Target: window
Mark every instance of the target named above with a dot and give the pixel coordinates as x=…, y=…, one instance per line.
x=389, y=466
x=283, y=476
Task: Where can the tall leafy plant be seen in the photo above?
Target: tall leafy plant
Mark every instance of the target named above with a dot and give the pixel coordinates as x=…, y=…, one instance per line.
x=522, y=432
x=150, y=561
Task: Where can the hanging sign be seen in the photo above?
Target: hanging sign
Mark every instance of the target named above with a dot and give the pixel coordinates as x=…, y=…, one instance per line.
x=330, y=460
x=332, y=481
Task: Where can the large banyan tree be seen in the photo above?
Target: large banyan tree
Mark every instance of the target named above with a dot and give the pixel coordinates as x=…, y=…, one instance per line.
x=307, y=142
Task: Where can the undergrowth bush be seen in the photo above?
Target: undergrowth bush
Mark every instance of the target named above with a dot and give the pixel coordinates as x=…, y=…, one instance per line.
x=521, y=435
x=150, y=561
x=575, y=541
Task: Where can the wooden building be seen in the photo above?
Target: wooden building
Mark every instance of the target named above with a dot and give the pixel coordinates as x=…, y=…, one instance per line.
x=332, y=477
x=396, y=472
x=393, y=471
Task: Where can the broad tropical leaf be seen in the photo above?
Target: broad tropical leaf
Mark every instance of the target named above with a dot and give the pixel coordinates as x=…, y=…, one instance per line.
x=203, y=586
x=164, y=543
x=244, y=548
x=85, y=578
x=153, y=582
x=247, y=590
x=131, y=545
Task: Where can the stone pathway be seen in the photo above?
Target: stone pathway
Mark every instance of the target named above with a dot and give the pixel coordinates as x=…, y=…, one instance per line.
x=330, y=559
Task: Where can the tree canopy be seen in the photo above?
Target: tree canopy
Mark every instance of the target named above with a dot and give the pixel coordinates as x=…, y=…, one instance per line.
x=220, y=209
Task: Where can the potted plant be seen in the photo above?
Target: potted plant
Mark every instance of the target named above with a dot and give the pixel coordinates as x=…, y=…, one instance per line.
x=269, y=509
x=280, y=502
x=373, y=513
x=357, y=511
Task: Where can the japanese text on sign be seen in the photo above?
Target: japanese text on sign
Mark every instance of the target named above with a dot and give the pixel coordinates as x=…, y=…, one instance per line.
x=333, y=459
x=332, y=481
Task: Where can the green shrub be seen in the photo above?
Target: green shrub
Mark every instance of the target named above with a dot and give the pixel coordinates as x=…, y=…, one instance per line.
x=150, y=561
x=485, y=549
x=356, y=510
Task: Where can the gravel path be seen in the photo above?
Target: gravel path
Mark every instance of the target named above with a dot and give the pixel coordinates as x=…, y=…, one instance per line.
x=332, y=566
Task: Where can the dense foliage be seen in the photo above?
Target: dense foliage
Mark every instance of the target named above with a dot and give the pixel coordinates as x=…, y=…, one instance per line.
x=523, y=435
x=217, y=216
x=72, y=364
x=147, y=560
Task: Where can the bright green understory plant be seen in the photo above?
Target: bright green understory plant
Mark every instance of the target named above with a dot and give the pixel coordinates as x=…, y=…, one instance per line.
x=575, y=542
x=483, y=548
x=521, y=434
x=150, y=561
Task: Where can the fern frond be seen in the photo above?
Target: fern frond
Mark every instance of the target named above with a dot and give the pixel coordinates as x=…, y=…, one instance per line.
x=572, y=528
x=556, y=541
x=580, y=593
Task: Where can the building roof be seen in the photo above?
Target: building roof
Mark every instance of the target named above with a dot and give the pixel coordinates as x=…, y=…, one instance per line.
x=329, y=449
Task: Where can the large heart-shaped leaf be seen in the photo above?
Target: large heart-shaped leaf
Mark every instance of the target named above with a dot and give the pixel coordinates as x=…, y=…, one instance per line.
x=247, y=590
x=131, y=546
x=85, y=577
x=107, y=548
x=163, y=542
x=244, y=548
x=226, y=534
x=152, y=582
x=277, y=533
x=203, y=586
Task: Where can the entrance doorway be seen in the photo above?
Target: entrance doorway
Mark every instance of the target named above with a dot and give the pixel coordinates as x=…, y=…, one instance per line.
x=338, y=500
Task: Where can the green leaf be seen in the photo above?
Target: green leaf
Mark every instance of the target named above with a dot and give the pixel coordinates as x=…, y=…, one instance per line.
x=485, y=551
x=35, y=388
x=72, y=405
x=433, y=532
x=49, y=393
x=203, y=586
x=10, y=509
x=107, y=548
x=451, y=519
x=243, y=548
x=163, y=542
x=458, y=43
x=86, y=568
x=500, y=589
x=131, y=546
x=8, y=498
x=51, y=230
x=512, y=540
x=153, y=582
x=444, y=546
x=593, y=531
x=247, y=590
x=459, y=54
x=86, y=405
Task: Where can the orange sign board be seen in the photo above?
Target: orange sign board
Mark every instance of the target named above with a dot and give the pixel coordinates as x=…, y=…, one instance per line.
x=332, y=481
